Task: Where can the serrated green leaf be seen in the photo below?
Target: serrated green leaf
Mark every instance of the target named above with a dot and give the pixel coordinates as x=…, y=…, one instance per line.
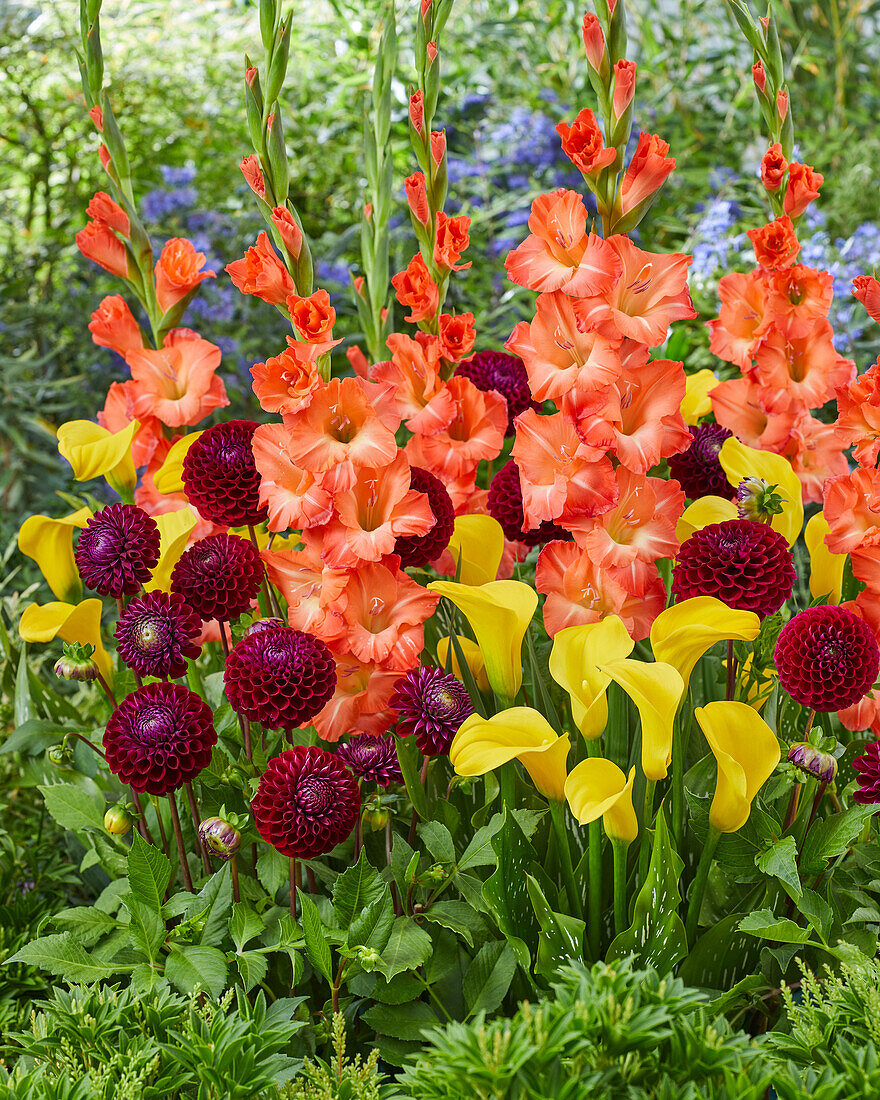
x=252, y=966
x=438, y=840
x=272, y=870
x=149, y=872
x=33, y=736
x=780, y=861
x=317, y=947
x=193, y=965
x=408, y=756
x=146, y=927
x=61, y=954
x=372, y=926
x=818, y=912
x=244, y=924
x=489, y=976
x=408, y=947
x=458, y=917
x=766, y=926
x=831, y=837
x=212, y=905
x=86, y=922
x=356, y=888
x=75, y=805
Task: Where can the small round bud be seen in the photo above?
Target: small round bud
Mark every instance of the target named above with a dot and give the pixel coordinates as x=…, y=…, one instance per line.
x=368, y=957
x=75, y=663
x=219, y=837
x=434, y=873
x=812, y=761
x=757, y=500
x=117, y=821
x=376, y=818
x=61, y=755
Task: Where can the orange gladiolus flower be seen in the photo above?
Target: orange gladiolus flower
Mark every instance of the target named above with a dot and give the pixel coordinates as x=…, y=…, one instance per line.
x=852, y=509
x=803, y=371
x=559, y=253
x=582, y=143
x=737, y=405
x=417, y=197
x=285, y=383
x=416, y=290
x=803, y=188
x=360, y=702
x=314, y=318
x=457, y=335
x=103, y=209
x=649, y=167
x=99, y=243
x=816, y=451
x=178, y=272
x=411, y=387
x=314, y=593
x=866, y=290
x=476, y=431
x=113, y=326
x=741, y=319
x=250, y=169
x=773, y=168
x=118, y=413
x=262, y=274
x=452, y=239
x=296, y=499
x=179, y=383
x=858, y=415
x=776, y=245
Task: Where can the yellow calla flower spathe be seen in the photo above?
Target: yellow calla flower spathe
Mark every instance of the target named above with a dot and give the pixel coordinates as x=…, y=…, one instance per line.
x=681, y=634
x=520, y=733
x=476, y=546
x=747, y=753
x=49, y=542
x=598, y=788
x=739, y=461
x=656, y=689
x=71, y=623
x=473, y=658
x=499, y=614
x=169, y=477
x=701, y=513
x=574, y=665
x=826, y=569
x=175, y=529
x=92, y=451
x=696, y=403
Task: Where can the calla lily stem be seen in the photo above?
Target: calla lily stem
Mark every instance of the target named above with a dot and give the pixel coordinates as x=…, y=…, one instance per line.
x=575, y=900
x=594, y=862
x=698, y=890
x=620, y=908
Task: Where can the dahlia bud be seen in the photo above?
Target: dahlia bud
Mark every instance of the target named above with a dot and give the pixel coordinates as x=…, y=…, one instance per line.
x=812, y=761
x=376, y=818
x=757, y=500
x=61, y=756
x=368, y=957
x=75, y=663
x=117, y=820
x=259, y=625
x=219, y=837
x=435, y=874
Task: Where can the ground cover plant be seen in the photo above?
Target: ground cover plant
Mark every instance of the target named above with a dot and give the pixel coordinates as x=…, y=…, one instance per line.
x=506, y=713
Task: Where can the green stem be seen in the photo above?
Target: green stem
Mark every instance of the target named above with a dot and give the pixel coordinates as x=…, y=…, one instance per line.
x=506, y=776
x=647, y=819
x=695, y=901
x=620, y=908
x=575, y=899
x=594, y=863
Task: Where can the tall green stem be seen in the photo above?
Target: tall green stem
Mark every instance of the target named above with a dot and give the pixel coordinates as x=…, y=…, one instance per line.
x=575, y=900
x=695, y=901
x=647, y=819
x=594, y=862
x=620, y=908
x=678, y=781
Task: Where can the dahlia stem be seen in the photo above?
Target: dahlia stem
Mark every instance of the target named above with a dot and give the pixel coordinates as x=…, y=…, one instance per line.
x=161, y=826
x=731, y=670
x=178, y=836
x=415, y=816
x=268, y=603
x=809, y=724
x=311, y=880
x=792, y=807
x=243, y=723
x=293, y=877
x=143, y=827
x=108, y=691
x=223, y=641
x=194, y=810
x=233, y=867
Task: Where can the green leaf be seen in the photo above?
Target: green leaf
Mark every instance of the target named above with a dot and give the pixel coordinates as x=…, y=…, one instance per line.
x=212, y=905
x=458, y=917
x=244, y=925
x=63, y=955
x=317, y=947
x=831, y=837
x=355, y=889
x=506, y=893
x=408, y=947
x=252, y=966
x=75, y=805
x=489, y=976
x=721, y=956
x=272, y=870
x=407, y=1021
x=766, y=926
x=372, y=926
x=818, y=912
x=87, y=923
x=192, y=966
x=408, y=756
x=23, y=705
x=438, y=840
x=561, y=938
x=146, y=927
x=480, y=853
x=656, y=936
x=33, y=736
x=149, y=872
x=780, y=861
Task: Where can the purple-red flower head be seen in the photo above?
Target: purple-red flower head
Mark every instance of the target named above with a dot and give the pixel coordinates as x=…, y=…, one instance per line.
x=118, y=550
x=421, y=549
x=505, y=374
x=698, y=469
x=218, y=576
x=827, y=658
x=372, y=757
x=505, y=504
x=220, y=476
x=156, y=634
x=432, y=704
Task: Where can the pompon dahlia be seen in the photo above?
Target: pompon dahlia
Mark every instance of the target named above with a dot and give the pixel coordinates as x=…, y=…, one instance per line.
x=372, y=757
x=432, y=704
x=421, y=549
x=827, y=658
x=698, y=469
x=155, y=634
x=280, y=678
x=218, y=576
x=159, y=738
x=868, y=767
x=505, y=504
x=505, y=374
x=745, y=564
x=220, y=476
x=118, y=550
x=307, y=802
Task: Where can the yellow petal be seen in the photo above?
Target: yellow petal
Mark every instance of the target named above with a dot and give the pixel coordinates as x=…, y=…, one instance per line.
x=656, y=689
x=174, y=531
x=826, y=569
x=747, y=753
x=92, y=451
x=499, y=614
x=71, y=623
x=760, y=688
x=701, y=513
x=483, y=744
x=598, y=788
x=696, y=402
x=50, y=543
x=473, y=658
x=574, y=660
x=739, y=461
x=681, y=634
x=478, y=543
x=169, y=477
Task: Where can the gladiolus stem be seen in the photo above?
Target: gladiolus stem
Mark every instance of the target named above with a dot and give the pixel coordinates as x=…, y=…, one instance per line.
x=575, y=899
x=620, y=914
x=178, y=837
x=194, y=810
x=698, y=890
x=292, y=875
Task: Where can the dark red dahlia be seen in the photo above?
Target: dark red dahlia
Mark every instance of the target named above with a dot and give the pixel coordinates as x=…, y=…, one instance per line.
x=421, y=549
x=505, y=374
x=280, y=678
x=432, y=704
x=372, y=757
x=827, y=658
x=698, y=469
x=505, y=503
x=307, y=802
x=868, y=767
x=118, y=550
x=220, y=476
x=218, y=576
x=745, y=564
x=155, y=634
x=159, y=738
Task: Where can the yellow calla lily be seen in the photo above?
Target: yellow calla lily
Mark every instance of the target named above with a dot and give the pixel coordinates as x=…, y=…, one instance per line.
x=739, y=461
x=473, y=658
x=598, y=788
x=169, y=477
x=499, y=613
x=175, y=529
x=826, y=569
x=681, y=634
x=747, y=753
x=574, y=660
x=92, y=451
x=656, y=689
x=49, y=542
x=477, y=543
x=696, y=403
x=701, y=513
x=71, y=623
x=520, y=733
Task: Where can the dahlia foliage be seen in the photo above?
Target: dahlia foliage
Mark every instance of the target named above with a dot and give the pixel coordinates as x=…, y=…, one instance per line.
x=539, y=630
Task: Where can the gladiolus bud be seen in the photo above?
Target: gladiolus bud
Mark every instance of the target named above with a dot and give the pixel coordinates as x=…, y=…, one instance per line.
x=417, y=197
x=250, y=75
x=759, y=76
x=252, y=172
x=358, y=281
x=812, y=761
x=438, y=146
x=118, y=821
x=431, y=51
x=426, y=7
x=782, y=105
x=106, y=159
x=219, y=837
x=773, y=168
x=866, y=290
x=97, y=116
x=368, y=211
x=594, y=41
x=417, y=112
x=288, y=230
x=359, y=362
x=624, y=86
x=76, y=663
